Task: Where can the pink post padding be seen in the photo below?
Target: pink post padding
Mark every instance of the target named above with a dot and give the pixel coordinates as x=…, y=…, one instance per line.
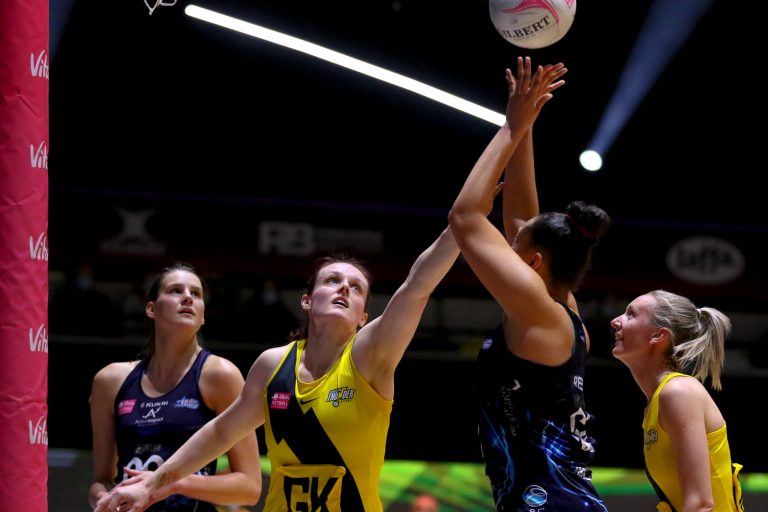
x=24, y=65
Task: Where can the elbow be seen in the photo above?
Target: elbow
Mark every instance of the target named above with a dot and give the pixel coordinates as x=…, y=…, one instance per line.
x=459, y=221
x=249, y=497
x=254, y=493
x=700, y=505
x=452, y=217
x=456, y=219
x=253, y=498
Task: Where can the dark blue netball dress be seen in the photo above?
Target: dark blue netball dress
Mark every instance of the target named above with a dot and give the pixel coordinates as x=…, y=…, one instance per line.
x=149, y=430
x=533, y=429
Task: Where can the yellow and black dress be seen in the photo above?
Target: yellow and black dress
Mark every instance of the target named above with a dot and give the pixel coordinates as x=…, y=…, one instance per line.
x=325, y=439
x=662, y=470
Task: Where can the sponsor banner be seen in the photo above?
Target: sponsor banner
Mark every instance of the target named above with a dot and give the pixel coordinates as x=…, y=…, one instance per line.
x=24, y=65
x=23, y=364
x=705, y=260
x=257, y=236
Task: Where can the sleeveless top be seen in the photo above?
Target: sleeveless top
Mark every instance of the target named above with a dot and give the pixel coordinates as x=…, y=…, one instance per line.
x=325, y=439
x=533, y=428
x=148, y=430
x=661, y=467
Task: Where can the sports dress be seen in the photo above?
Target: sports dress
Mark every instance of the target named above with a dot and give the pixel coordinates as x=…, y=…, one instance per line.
x=533, y=429
x=661, y=467
x=325, y=439
x=148, y=430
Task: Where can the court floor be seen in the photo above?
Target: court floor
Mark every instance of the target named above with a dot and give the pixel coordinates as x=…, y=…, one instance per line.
x=458, y=486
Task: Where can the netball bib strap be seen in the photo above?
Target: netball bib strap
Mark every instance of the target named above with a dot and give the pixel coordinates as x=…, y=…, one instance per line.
x=737, y=492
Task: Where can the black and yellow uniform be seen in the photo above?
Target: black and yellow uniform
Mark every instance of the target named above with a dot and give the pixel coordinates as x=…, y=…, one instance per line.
x=325, y=439
x=662, y=469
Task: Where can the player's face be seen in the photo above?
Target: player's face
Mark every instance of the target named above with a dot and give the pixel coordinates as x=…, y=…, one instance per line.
x=633, y=328
x=179, y=301
x=341, y=290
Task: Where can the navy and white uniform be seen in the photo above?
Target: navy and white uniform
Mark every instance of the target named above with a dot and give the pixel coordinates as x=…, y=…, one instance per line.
x=148, y=430
x=533, y=429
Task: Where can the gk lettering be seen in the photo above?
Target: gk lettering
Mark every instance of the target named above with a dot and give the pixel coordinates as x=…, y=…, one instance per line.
x=300, y=487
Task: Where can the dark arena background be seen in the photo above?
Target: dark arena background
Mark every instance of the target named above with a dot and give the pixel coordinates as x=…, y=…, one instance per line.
x=174, y=139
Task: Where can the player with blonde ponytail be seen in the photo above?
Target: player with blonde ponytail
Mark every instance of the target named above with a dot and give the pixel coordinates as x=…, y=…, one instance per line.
x=672, y=347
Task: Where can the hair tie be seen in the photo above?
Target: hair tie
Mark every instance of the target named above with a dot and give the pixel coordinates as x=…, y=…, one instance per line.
x=581, y=229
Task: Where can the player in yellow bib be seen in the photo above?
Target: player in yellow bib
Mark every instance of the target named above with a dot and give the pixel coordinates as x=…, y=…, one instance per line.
x=687, y=455
x=325, y=398
x=331, y=437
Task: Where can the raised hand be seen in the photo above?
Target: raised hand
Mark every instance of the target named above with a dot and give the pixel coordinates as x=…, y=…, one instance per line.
x=528, y=92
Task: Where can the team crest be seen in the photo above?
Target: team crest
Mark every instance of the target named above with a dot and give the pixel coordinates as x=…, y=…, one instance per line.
x=650, y=438
x=338, y=395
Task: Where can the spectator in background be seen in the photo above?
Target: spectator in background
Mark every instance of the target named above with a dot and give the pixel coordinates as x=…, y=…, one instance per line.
x=223, y=302
x=758, y=353
x=425, y=503
x=266, y=309
x=134, y=306
x=77, y=308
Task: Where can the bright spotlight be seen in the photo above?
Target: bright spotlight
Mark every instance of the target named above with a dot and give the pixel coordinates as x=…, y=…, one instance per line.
x=346, y=61
x=666, y=28
x=591, y=160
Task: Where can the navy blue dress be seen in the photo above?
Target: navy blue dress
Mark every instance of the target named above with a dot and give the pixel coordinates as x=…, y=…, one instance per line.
x=533, y=429
x=149, y=430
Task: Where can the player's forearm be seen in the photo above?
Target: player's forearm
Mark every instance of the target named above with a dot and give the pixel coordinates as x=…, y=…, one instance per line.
x=97, y=491
x=205, y=445
x=433, y=264
x=520, y=197
x=227, y=489
x=479, y=190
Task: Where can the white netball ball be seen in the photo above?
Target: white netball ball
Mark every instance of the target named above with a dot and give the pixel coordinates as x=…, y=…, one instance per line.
x=532, y=23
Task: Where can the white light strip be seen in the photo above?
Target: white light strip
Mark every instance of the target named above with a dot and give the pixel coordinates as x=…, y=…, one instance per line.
x=346, y=61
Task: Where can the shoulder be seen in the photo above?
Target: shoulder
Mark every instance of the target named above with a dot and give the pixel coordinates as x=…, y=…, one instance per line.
x=114, y=373
x=220, y=368
x=220, y=372
x=107, y=381
x=683, y=395
x=220, y=382
x=683, y=386
x=268, y=361
x=272, y=357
